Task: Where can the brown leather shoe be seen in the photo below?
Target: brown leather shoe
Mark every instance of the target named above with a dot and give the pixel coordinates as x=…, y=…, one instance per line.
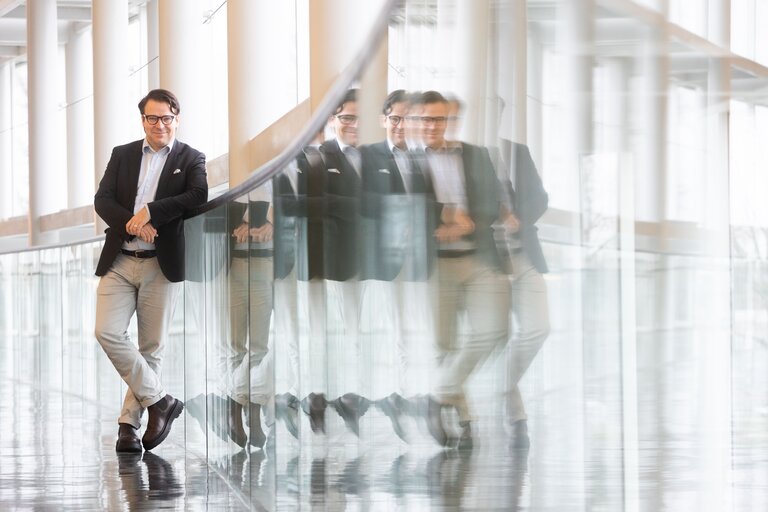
x=314, y=406
x=351, y=408
x=433, y=416
x=236, y=430
x=257, y=437
x=127, y=439
x=161, y=416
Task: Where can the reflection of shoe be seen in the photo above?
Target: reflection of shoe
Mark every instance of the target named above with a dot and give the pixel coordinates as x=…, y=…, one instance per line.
x=465, y=439
x=352, y=480
x=314, y=406
x=433, y=416
x=127, y=439
x=287, y=409
x=161, y=478
x=236, y=431
x=128, y=464
x=394, y=406
x=351, y=408
x=161, y=416
x=519, y=439
x=257, y=436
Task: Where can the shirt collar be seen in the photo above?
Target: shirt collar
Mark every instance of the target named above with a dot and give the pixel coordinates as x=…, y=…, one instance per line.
x=166, y=150
x=394, y=148
x=449, y=146
x=343, y=146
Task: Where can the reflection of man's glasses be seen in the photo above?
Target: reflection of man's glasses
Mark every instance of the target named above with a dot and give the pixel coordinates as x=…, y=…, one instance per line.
x=434, y=120
x=154, y=119
x=395, y=120
x=347, y=119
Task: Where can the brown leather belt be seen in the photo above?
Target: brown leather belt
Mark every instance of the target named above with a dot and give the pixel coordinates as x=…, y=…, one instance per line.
x=139, y=254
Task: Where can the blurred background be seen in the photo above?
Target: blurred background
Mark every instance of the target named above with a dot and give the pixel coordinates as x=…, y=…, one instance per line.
x=625, y=137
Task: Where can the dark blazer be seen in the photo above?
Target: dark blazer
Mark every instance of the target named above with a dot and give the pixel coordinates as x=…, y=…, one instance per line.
x=310, y=214
x=386, y=219
x=341, y=251
x=528, y=198
x=177, y=193
x=287, y=204
x=482, y=189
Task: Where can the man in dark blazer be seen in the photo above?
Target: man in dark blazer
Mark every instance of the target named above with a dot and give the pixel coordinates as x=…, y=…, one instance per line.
x=341, y=252
x=526, y=201
x=396, y=207
x=469, y=278
x=147, y=188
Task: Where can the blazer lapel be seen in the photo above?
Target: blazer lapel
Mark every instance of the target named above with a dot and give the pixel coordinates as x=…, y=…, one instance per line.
x=167, y=172
x=134, y=171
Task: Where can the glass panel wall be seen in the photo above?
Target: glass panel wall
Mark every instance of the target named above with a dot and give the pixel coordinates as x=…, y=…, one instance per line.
x=544, y=293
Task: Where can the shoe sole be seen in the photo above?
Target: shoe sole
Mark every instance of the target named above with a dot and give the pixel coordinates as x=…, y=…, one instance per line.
x=178, y=407
x=127, y=450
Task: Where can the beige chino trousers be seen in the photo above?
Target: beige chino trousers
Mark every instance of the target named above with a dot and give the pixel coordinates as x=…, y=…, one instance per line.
x=134, y=285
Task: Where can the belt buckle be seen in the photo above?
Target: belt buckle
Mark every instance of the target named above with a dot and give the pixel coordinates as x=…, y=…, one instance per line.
x=138, y=253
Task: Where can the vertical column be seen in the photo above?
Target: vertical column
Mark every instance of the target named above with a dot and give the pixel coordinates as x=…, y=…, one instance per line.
x=6, y=141
x=535, y=95
x=715, y=357
x=153, y=44
x=373, y=90
x=42, y=47
x=472, y=66
x=651, y=189
x=512, y=68
x=261, y=38
x=337, y=29
x=182, y=66
x=79, y=78
x=111, y=106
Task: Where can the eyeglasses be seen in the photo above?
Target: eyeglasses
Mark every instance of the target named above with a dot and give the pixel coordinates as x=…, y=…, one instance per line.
x=395, y=120
x=434, y=120
x=154, y=119
x=347, y=119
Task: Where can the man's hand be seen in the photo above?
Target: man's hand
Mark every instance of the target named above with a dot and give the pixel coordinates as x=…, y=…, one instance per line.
x=133, y=226
x=511, y=223
x=262, y=233
x=456, y=224
x=147, y=233
x=240, y=233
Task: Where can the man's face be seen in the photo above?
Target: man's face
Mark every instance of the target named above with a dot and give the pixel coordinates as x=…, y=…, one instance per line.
x=394, y=122
x=344, y=124
x=434, y=119
x=159, y=134
x=413, y=126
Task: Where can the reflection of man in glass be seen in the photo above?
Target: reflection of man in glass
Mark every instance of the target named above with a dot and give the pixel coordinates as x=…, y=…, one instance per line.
x=394, y=208
x=248, y=366
x=466, y=187
x=527, y=201
x=341, y=253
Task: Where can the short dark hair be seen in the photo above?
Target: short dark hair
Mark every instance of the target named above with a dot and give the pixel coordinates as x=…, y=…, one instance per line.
x=433, y=97
x=163, y=96
x=414, y=98
x=456, y=101
x=397, y=96
x=350, y=96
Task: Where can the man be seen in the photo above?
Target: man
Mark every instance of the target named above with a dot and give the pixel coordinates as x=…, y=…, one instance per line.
x=527, y=201
x=341, y=242
x=247, y=361
x=466, y=187
x=147, y=188
x=395, y=200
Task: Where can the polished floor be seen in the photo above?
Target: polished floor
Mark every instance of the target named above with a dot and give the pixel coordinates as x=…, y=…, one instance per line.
x=57, y=453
